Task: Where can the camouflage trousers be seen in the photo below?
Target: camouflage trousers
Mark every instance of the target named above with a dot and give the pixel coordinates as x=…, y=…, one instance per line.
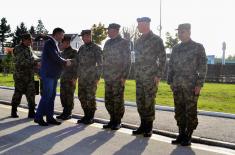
x=114, y=100
x=87, y=95
x=145, y=99
x=24, y=86
x=185, y=107
x=67, y=89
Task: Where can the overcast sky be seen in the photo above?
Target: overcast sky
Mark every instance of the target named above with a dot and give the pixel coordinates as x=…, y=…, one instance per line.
x=212, y=20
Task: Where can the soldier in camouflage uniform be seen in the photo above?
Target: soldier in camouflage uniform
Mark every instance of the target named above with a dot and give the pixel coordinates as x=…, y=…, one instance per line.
x=67, y=80
x=149, y=65
x=23, y=76
x=116, y=66
x=186, y=75
x=89, y=70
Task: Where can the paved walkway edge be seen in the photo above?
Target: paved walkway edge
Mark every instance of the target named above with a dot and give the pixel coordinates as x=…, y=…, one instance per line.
x=159, y=132
x=158, y=107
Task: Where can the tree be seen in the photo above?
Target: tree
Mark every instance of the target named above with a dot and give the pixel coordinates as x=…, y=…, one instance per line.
x=5, y=31
x=40, y=29
x=19, y=31
x=32, y=30
x=231, y=57
x=170, y=41
x=131, y=34
x=99, y=33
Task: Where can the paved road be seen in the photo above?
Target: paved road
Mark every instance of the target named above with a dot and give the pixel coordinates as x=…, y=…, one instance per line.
x=22, y=136
x=209, y=127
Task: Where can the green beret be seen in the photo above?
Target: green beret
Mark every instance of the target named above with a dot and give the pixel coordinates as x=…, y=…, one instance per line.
x=114, y=26
x=185, y=26
x=85, y=32
x=144, y=19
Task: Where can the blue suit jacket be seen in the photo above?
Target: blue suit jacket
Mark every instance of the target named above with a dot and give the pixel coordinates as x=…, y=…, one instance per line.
x=52, y=62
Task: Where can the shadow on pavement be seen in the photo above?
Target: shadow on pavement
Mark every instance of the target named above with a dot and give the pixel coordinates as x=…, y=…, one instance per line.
x=136, y=146
x=2, y=119
x=50, y=138
x=9, y=124
x=90, y=144
x=15, y=138
x=179, y=150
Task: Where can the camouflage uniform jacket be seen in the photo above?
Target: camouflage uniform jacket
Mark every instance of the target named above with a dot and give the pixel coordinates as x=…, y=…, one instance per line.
x=70, y=72
x=117, y=61
x=24, y=62
x=188, y=65
x=150, y=57
x=89, y=62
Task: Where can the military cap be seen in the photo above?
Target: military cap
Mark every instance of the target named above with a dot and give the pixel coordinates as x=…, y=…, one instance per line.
x=85, y=32
x=144, y=19
x=185, y=26
x=26, y=36
x=114, y=26
x=66, y=38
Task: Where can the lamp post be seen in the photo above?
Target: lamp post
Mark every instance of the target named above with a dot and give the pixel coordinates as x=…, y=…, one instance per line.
x=160, y=26
x=223, y=56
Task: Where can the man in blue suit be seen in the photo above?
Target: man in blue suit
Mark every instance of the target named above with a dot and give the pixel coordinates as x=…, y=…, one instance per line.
x=51, y=67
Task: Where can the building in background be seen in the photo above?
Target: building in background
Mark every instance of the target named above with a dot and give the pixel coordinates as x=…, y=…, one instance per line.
x=210, y=59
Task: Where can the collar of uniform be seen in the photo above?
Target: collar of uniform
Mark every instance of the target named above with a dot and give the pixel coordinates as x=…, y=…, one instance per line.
x=186, y=43
x=68, y=48
x=143, y=36
x=22, y=45
x=116, y=38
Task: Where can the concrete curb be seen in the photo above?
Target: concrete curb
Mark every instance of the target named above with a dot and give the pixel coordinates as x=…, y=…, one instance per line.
x=195, y=139
x=158, y=107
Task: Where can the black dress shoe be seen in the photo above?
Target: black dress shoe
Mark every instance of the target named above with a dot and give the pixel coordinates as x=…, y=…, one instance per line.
x=107, y=126
x=53, y=122
x=41, y=122
x=116, y=126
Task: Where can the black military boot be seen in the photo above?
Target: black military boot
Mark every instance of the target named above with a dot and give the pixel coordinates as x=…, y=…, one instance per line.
x=14, y=112
x=116, y=125
x=84, y=118
x=31, y=113
x=90, y=118
x=187, y=139
x=109, y=125
x=180, y=137
x=140, y=130
x=61, y=116
x=148, y=126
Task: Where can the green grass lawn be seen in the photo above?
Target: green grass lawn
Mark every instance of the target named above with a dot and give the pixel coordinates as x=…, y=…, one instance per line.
x=214, y=97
